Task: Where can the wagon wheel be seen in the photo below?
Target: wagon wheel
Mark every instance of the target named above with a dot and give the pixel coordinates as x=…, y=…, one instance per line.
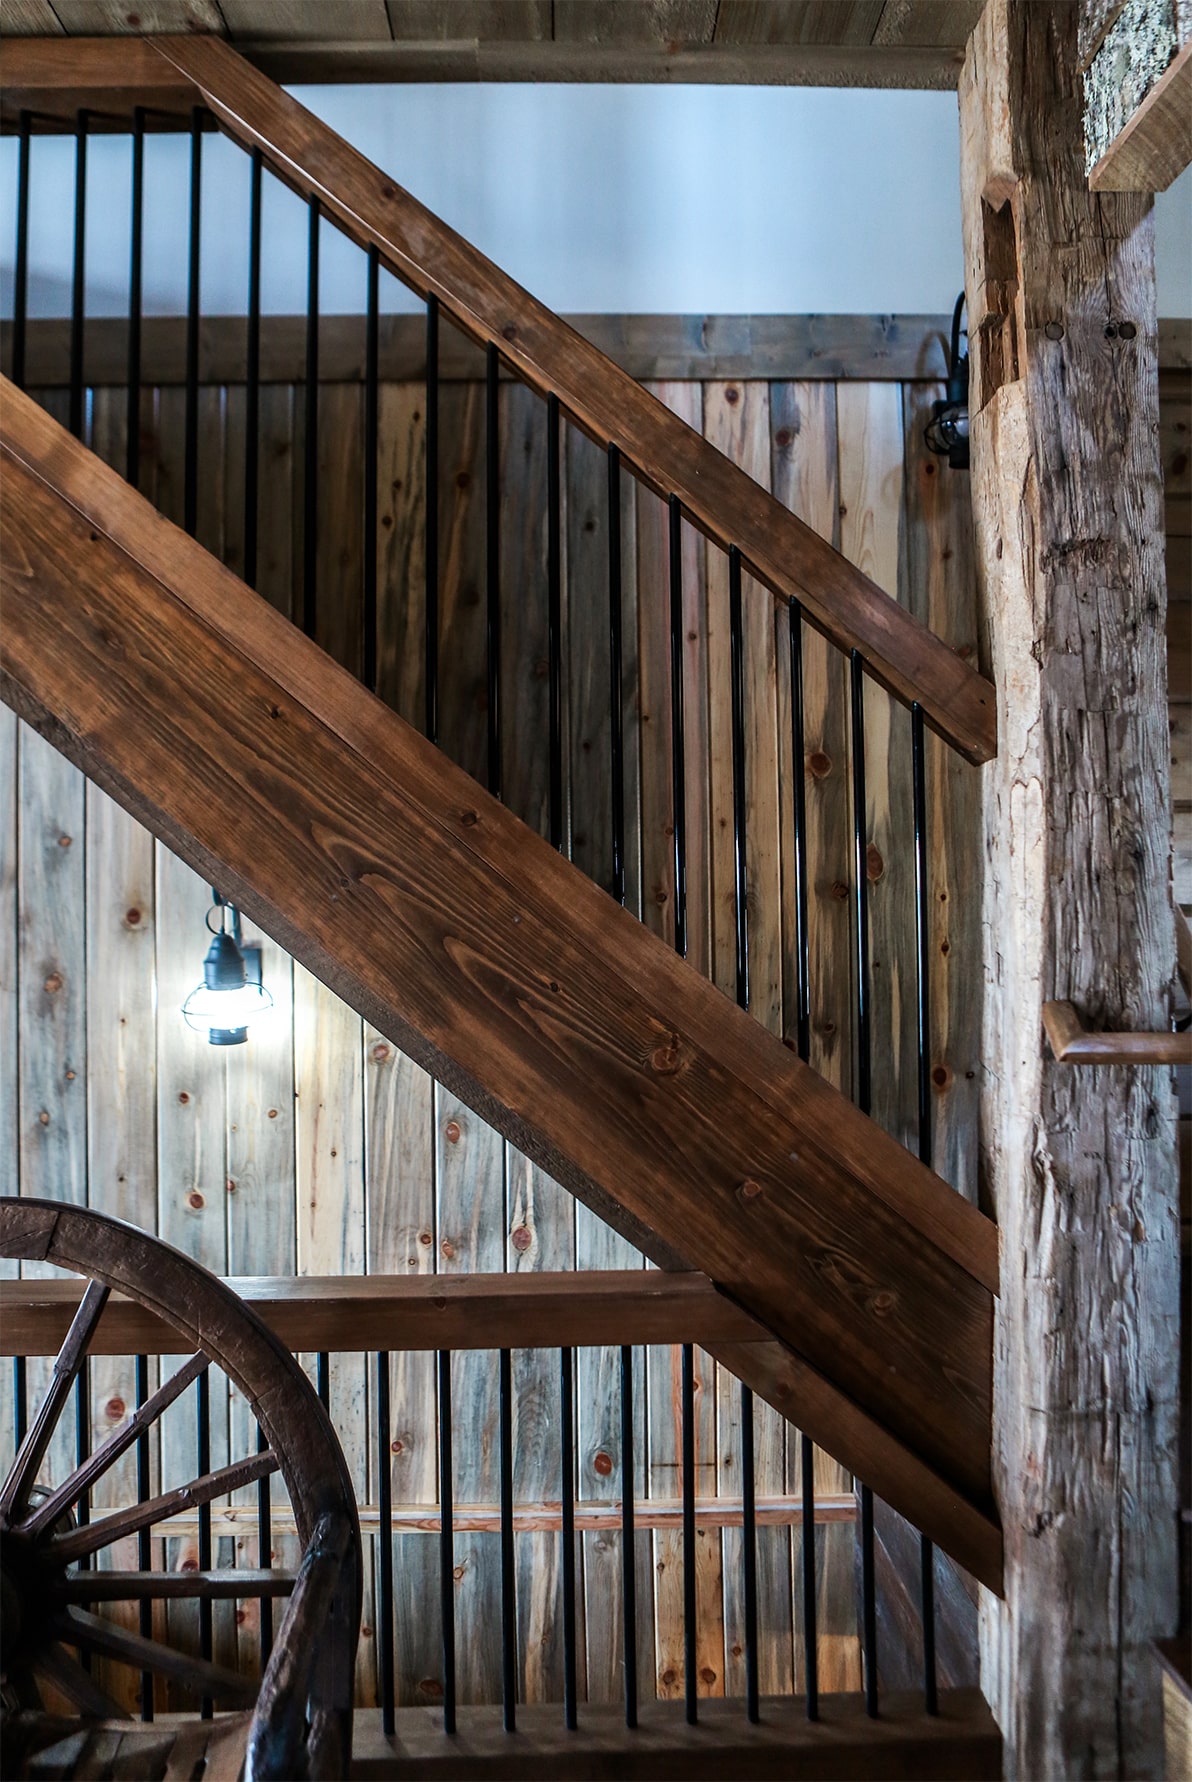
x=302, y=1721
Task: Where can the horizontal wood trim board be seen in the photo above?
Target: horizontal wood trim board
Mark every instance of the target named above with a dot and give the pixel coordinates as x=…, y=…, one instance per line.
x=365, y=1314
x=592, y=1516
x=902, y=1745
x=55, y=75
x=721, y=499
x=471, y=944
x=659, y=348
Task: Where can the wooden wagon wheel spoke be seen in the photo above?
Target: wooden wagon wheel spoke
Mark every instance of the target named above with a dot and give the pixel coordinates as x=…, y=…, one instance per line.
x=23, y=1474
x=60, y=1499
x=225, y=1585
x=94, y=1535
x=107, y=1639
x=54, y=1665
x=53, y=1619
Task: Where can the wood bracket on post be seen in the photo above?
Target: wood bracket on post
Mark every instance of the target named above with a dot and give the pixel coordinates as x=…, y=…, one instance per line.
x=1072, y=1043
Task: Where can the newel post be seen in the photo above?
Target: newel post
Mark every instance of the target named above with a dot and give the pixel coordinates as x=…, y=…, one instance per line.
x=1079, y=1163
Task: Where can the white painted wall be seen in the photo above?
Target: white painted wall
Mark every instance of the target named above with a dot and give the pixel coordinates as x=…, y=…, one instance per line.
x=615, y=198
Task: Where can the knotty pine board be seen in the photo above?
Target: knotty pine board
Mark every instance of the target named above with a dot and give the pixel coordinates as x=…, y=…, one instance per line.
x=415, y=1173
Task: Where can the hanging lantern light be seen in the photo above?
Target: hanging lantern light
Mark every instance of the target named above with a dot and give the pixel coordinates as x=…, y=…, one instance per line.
x=947, y=432
x=231, y=993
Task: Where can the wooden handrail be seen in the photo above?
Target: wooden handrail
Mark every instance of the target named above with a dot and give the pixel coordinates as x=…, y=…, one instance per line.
x=472, y=944
x=350, y=1314
x=1072, y=1043
x=667, y=454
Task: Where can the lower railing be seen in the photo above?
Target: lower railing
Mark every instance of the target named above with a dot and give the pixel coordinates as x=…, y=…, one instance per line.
x=469, y=1336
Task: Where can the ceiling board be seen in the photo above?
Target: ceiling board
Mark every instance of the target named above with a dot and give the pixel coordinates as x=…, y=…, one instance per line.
x=491, y=21
x=640, y=21
x=133, y=18
x=798, y=21
x=305, y=21
x=915, y=22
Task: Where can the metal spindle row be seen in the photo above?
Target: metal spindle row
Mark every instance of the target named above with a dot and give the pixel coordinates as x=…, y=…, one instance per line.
x=557, y=832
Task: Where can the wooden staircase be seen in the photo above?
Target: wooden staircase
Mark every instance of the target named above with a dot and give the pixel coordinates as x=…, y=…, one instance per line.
x=862, y=1286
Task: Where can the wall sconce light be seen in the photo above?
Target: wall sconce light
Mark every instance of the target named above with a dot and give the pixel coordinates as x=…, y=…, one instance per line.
x=947, y=432
x=231, y=993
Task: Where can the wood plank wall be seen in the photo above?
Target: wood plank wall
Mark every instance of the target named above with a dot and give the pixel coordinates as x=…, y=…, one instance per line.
x=318, y=1147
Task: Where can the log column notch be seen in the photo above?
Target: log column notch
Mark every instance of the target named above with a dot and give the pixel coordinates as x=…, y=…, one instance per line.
x=1079, y=1163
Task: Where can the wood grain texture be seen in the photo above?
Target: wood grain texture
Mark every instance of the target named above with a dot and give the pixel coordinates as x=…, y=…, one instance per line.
x=1076, y=907
x=786, y=556
x=747, y=1035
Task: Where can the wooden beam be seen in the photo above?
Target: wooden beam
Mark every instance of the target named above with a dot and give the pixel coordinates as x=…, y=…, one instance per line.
x=1156, y=143
x=670, y=457
x=1067, y=497
x=347, y=1314
x=827, y=348
x=57, y=77
x=843, y=1742
x=1072, y=1043
x=474, y=946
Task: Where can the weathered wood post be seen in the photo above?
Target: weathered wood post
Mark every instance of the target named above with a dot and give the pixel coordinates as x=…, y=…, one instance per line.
x=1079, y=1162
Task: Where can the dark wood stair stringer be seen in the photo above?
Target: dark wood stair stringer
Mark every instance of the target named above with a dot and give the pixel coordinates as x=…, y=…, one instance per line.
x=491, y=960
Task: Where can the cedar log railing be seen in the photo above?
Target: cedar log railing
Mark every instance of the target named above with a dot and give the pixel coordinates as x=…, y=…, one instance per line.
x=428, y=907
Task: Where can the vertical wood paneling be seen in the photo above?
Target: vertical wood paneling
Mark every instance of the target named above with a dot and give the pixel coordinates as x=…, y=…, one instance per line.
x=372, y=1166
x=400, y=1185
x=939, y=586
x=871, y=500
x=471, y=1226
x=332, y=1234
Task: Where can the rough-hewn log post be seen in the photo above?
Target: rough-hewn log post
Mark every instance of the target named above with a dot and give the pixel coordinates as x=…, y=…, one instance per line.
x=1079, y=1162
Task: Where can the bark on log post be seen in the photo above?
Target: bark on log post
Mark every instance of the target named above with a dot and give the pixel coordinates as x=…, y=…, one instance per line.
x=1079, y=1162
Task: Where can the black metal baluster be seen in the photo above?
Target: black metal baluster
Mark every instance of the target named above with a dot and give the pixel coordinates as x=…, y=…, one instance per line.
x=203, y=1432
x=371, y=385
x=678, y=774
x=868, y=1602
x=252, y=381
x=554, y=619
x=446, y=1542
x=310, y=478
x=144, y=1538
x=136, y=242
x=690, y=1676
x=740, y=852
x=493, y=564
x=864, y=1095
x=20, y=292
x=616, y=726
x=323, y=1378
x=923, y=932
x=385, y=1505
x=82, y=1452
x=190, y=480
x=508, y=1566
x=628, y=1544
x=78, y=278
x=567, y=1444
x=810, y=1636
x=749, y=1554
x=740, y=857
x=20, y=1394
x=265, y=1552
x=799, y=770
x=432, y=518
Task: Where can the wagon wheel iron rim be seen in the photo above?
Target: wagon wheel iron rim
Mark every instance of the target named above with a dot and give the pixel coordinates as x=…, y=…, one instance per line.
x=43, y=1596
